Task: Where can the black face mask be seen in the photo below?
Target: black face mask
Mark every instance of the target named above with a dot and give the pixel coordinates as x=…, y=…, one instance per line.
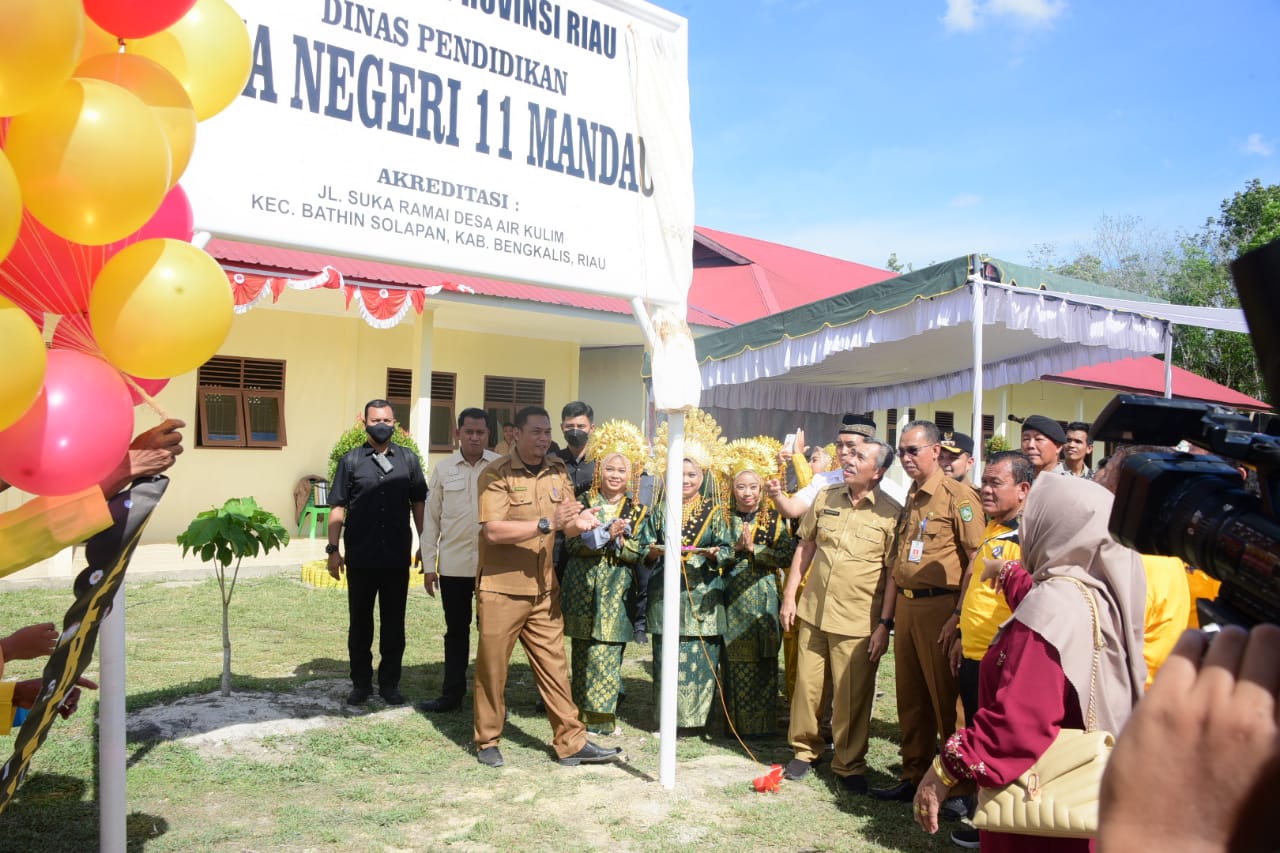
x=380, y=433
x=575, y=437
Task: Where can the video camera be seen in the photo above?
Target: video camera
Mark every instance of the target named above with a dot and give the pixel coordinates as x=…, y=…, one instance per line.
x=1196, y=506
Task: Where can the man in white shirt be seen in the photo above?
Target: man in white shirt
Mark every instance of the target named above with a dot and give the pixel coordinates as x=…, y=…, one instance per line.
x=450, y=549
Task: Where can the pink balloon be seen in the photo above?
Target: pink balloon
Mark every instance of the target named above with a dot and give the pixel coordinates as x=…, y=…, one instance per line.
x=76, y=431
x=130, y=19
x=45, y=272
x=75, y=332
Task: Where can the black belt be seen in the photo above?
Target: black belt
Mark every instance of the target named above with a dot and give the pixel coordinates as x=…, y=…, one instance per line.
x=927, y=591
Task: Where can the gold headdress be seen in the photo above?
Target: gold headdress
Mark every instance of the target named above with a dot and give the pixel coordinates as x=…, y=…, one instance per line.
x=758, y=455
x=621, y=437
x=703, y=445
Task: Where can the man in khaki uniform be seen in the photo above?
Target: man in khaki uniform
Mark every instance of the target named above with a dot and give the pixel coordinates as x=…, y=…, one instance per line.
x=524, y=499
x=939, y=530
x=845, y=613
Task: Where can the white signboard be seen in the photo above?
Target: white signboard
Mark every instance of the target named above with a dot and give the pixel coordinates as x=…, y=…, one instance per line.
x=529, y=140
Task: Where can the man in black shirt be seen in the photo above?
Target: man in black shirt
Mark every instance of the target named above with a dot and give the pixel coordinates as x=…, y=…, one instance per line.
x=375, y=489
x=575, y=422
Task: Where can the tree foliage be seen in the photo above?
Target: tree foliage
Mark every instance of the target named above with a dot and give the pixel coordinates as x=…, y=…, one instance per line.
x=1192, y=269
x=238, y=529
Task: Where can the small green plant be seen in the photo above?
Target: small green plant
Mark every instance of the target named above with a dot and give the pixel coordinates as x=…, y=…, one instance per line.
x=996, y=444
x=239, y=529
x=354, y=437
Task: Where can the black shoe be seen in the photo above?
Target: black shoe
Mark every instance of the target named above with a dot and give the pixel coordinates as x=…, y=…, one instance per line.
x=966, y=837
x=392, y=696
x=957, y=808
x=490, y=756
x=359, y=695
x=796, y=769
x=591, y=754
x=440, y=705
x=903, y=792
x=854, y=783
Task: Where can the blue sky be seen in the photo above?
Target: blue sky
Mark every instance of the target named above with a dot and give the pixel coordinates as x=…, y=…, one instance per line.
x=932, y=128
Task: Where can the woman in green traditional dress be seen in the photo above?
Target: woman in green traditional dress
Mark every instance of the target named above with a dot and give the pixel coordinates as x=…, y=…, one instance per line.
x=596, y=593
x=753, y=633
x=706, y=547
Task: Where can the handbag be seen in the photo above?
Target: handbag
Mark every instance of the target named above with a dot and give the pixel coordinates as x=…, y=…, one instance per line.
x=1058, y=795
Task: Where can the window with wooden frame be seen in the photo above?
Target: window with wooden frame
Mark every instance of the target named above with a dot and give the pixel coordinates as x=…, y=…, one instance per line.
x=506, y=395
x=240, y=402
x=400, y=393
x=946, y=421
x=444, y=388
x=891, y=427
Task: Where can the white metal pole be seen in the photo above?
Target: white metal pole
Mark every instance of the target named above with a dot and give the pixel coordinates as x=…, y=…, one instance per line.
x=1168, y=360
x=671, y=603
x=112, y=803
x=979, y=289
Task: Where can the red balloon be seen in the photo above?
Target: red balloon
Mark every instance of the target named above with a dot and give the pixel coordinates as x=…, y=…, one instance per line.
x=75, y=332
x=130, y=19
x=45, y=272
x=76, y=431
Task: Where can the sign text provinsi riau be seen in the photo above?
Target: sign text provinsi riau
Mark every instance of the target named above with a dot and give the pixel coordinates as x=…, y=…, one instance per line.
x=502, y=138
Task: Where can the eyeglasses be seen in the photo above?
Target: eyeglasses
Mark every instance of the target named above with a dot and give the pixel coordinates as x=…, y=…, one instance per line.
x=913, y=451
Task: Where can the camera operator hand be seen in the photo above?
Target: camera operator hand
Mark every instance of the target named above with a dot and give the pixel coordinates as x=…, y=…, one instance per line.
x=1196, y=766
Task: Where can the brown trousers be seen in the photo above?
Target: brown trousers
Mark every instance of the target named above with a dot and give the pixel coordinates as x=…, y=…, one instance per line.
x=927, y=691
x=842, y=662
x=537, y=623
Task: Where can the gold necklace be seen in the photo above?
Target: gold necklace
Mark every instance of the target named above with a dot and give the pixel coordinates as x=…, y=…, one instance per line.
x=690, y=511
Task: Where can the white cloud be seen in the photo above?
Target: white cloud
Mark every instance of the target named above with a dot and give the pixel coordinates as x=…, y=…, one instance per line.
x=1255, y=144
x=1028, y=12
x=968, y=15
x=966, y=200
x=961, y=15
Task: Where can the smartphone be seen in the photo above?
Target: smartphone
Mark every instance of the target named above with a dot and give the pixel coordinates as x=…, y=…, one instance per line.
x=789, y=443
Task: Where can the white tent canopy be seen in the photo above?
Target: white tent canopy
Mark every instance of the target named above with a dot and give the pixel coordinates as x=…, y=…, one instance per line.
x=963, y=325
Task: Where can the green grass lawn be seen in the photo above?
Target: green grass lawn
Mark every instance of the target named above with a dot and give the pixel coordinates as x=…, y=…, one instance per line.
x=394, y=779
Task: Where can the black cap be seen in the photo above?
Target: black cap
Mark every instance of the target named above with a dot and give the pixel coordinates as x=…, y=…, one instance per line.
x=1048, y=426
x=858, y=425
x=957, y=442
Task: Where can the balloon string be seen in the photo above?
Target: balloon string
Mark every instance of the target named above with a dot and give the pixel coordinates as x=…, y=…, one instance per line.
x=146, y=398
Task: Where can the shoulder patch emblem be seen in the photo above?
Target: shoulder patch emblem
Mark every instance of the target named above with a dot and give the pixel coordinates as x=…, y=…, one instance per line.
x=966, y=512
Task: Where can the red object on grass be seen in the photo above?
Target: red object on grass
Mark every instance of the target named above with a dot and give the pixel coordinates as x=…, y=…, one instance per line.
x=770, y=781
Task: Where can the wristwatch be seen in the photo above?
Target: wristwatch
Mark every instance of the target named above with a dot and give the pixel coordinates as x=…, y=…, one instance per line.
x=544, y=526
x=331, y=549
x=888, y=623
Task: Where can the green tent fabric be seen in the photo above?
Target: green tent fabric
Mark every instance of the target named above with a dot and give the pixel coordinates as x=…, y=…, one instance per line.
x=911, y=339
x=889, y=295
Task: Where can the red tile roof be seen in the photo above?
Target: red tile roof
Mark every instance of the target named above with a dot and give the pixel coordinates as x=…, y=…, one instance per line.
x=736, y=279
x=774, y=278
x=1145, y=375
x=273, y=259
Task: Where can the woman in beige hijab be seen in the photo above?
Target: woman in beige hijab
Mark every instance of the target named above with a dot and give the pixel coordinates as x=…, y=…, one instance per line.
x=1038, y=676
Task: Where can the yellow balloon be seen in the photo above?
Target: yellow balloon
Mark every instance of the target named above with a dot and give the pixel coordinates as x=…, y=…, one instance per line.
x=42, y=39
x=92, y=161
x=160, y=308
x=208, y=51
x=97, y=41
x=10, y=206
x=160, y=91
x=23, y=355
